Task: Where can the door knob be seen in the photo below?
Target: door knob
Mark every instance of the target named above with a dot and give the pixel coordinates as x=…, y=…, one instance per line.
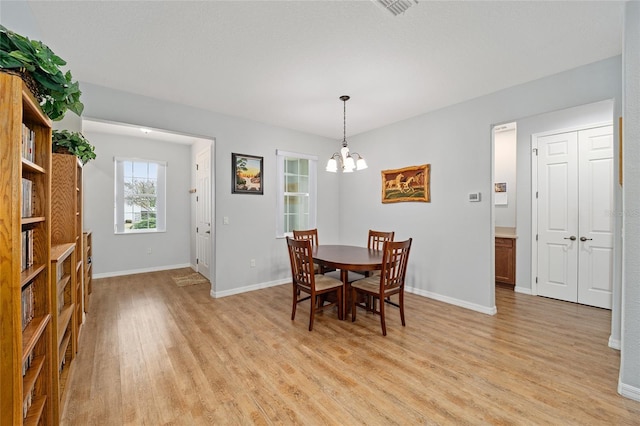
x=585, y=239
x=572, y=238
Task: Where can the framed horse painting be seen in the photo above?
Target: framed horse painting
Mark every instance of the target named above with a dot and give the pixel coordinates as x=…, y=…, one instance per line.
x=407, y=184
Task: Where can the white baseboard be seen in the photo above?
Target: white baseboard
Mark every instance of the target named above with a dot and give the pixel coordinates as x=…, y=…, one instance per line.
x=259, y=286
x=446, y=299
x=523, y=290
x=452, y=301
x=140, y=271
x=614, y=343
x=629, y=391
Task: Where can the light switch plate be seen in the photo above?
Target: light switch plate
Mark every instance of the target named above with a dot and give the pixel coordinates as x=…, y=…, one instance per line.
x=474, y=197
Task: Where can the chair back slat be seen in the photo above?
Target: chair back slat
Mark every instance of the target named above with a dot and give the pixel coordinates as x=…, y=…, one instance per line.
x=394, y=264
x=377, y=238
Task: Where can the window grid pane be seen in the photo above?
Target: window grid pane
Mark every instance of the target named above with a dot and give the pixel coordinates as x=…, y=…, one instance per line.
x=140, y=195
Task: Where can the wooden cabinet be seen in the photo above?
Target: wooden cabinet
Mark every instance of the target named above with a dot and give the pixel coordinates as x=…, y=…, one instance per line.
x=25, y=243
x=88, y=266
x=66, y=220
x=63, y=303
x=505, y=256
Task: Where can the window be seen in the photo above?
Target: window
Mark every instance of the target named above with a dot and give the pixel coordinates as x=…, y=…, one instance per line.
x=296, y=192
x=140, y=196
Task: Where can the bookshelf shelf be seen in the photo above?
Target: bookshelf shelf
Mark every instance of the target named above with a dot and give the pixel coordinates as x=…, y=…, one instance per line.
x=30, y=220
x=30, y=273
x=32, y=334
x=36, y=411
x=32, y=375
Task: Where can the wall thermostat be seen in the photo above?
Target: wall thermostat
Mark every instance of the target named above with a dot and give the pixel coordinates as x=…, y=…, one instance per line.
x=474, y=196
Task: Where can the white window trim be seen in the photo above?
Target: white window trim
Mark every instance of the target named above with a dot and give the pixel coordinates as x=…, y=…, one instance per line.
x=161, y=197
x=313, y=189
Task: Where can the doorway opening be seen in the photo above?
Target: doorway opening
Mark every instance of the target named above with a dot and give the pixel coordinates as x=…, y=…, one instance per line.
x=504, y=203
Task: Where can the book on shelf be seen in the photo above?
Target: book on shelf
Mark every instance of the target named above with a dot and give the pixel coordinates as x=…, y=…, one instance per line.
x=28, y=305
x=27, y=364
x=28, y=143
x=27, y=198
x=27, y=249
x=27, y=403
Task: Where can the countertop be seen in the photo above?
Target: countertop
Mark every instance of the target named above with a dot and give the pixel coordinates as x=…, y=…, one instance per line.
x=504, y=232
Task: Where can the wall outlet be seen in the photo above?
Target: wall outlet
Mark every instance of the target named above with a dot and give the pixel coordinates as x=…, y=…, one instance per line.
x=149, y=250
x=225, y=220
x=253, y=263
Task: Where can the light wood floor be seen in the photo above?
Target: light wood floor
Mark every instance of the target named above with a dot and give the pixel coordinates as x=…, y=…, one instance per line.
x=152, y=353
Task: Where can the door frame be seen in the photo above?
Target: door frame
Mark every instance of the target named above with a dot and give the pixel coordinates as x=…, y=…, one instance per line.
x=534, y=191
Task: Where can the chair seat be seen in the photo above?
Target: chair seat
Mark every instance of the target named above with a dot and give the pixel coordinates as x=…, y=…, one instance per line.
x=369, y=284
x=324, y=283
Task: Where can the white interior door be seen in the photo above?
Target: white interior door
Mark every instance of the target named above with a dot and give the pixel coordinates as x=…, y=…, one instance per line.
x=595, y=239
x=557, y=216
x=203, y=212
x=575, y=201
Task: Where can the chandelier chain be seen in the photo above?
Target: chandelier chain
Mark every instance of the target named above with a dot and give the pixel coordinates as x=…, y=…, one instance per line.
x=344, y=121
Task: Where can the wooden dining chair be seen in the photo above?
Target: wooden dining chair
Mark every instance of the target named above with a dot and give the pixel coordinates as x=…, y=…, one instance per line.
x=307, y=234
x=377, y=238
x=390, y=281
x=375, y=242
x=311, y=235
x=306, y=281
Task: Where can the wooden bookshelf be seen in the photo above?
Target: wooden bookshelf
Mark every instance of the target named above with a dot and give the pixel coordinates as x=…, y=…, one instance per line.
x=66, y=223
x=63, y=303
x=25, y=291
x=87, y=263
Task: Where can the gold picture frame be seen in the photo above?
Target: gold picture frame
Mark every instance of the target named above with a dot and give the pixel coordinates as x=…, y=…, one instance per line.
x=409, y=184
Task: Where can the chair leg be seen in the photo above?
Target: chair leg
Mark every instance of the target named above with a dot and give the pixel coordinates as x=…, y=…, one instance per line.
x=382, y=322
x=353, y=303
x=340, y=291
x=401, y=303
x=312, y=308
x=295, y=302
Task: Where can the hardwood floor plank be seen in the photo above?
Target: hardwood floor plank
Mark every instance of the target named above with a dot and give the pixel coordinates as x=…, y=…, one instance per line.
x=155, y=353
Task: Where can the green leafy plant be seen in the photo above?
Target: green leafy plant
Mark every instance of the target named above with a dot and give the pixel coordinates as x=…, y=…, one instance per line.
x=74, y=143
x=57, y=92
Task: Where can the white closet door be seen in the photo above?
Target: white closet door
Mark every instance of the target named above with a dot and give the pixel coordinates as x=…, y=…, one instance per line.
x=595, y=275
x=558, y=216
x=575, y=219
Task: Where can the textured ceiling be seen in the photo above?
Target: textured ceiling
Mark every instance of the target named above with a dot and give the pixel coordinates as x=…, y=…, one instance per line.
x=287, y=62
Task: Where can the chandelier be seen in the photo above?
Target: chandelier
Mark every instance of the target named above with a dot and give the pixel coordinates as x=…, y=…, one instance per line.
x=348, y=160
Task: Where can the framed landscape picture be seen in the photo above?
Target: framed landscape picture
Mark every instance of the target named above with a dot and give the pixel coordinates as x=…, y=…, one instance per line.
x=246, y=174
x=407, y=184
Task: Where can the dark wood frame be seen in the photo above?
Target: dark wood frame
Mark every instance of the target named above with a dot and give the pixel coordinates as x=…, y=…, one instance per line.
x=239, y=188
x=407, y=184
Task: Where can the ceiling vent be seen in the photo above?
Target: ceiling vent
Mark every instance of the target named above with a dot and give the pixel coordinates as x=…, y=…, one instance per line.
x=396, y=7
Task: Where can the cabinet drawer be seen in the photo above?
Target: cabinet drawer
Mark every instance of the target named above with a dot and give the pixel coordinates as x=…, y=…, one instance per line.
x=504, y=242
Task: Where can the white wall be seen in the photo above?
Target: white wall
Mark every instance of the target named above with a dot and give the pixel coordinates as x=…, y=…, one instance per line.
x=630, y=353
x=119, y=254
x=452, y=256
x=250, y=233
x=504, y=170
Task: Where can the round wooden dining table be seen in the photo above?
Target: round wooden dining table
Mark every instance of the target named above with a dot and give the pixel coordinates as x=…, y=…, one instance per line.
x=347, y=258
